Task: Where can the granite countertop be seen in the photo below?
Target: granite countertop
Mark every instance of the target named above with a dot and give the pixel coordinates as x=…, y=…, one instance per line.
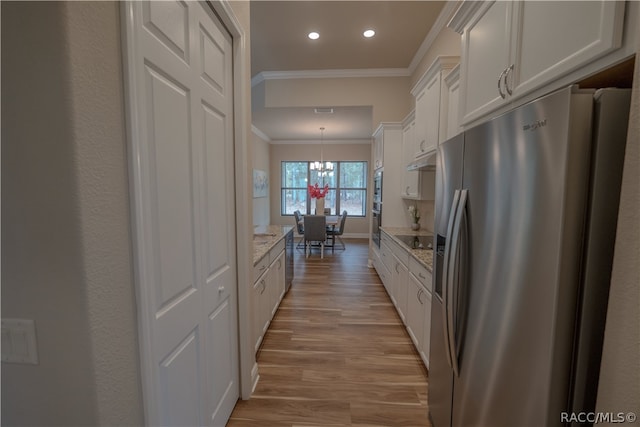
x=424, y=256
x=265, y=237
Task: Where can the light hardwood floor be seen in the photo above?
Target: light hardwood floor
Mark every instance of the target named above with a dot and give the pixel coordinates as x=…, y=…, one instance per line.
x=336, y=353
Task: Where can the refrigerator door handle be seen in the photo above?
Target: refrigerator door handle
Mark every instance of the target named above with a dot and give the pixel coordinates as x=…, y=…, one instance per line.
x=453, y=283
x=445, y=274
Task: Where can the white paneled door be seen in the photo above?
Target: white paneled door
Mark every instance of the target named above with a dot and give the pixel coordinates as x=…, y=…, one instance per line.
x=179, y=65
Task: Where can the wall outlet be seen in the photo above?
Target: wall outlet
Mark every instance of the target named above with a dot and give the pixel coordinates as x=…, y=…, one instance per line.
x=19, y=341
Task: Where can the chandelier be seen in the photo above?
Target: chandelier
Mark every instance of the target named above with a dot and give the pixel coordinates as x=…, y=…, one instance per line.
x=323, y=168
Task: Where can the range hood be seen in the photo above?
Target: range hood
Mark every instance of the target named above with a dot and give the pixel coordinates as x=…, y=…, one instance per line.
x=426, y=163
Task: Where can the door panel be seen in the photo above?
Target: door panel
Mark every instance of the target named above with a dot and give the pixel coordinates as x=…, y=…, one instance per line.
x=181, y=84
x=180, y=383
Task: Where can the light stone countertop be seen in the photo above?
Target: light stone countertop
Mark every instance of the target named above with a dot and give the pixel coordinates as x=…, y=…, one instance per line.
x=425, y=256
x=265, y=237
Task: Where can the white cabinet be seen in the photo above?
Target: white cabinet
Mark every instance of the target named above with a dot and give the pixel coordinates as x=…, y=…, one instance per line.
x=267, y=291
x=431, y=106
x=259, y=307
x=511, y=48
x=408, y=283
x=452, y=83
x=425, y=342
x=415, y=311
x=400, y=274
x=378, y=150
x=389, y=135
x=416, y=185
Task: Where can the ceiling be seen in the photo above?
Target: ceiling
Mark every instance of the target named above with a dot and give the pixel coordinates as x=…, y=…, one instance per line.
x=279, y=42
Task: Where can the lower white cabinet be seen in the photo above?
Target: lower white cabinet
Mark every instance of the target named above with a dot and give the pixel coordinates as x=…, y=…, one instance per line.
x=415, y=311
x=267, y=292
x=408, y=283
x=400, y=275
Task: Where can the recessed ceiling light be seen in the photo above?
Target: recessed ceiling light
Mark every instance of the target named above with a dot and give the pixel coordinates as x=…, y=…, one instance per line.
x=369, y=33
x=313, y=35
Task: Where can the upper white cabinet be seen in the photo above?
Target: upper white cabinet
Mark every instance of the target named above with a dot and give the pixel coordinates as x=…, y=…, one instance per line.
x=452, y=82
x=378, y=149
x=416, y=185
x=511, y=48
x=431, y=106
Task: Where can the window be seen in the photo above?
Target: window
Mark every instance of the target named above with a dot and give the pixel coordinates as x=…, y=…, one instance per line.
x=347, y=187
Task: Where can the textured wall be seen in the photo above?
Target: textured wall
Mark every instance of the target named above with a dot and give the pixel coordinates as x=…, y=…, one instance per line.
x=66, y=255
x=42, y=265
x=619, y=388
x=98, y=132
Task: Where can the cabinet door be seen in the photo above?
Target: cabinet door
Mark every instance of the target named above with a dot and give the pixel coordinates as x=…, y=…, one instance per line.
x=544, y=52
x=411, y=181
x=258, y=293
x=420, y=137
x=400, y=277
x=425, y=342
x=378, y=150
x=485, y=54
x=415, y=316
x=432, y=118
x=453, y=106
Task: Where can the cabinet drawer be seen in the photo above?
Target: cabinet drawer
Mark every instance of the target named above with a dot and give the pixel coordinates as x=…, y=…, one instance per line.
x=275, y=251
x=401, y=253
x=386, y=255
x=260, y=267
x=421, y=273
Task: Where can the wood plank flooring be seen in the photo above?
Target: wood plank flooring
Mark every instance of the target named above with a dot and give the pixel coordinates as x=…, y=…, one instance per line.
x=336, y=353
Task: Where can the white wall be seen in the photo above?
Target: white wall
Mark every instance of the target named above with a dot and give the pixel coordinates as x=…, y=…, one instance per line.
x=66, y=247
x=619, y=387
x=261, y=205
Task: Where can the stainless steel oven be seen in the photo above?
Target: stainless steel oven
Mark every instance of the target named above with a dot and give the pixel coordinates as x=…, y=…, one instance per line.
x=376, y=212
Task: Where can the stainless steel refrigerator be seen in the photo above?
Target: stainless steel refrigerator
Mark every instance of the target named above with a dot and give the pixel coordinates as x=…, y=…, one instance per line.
x=526, y=209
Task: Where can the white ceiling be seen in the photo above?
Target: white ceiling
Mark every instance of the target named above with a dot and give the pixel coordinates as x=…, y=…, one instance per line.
x=279, y=42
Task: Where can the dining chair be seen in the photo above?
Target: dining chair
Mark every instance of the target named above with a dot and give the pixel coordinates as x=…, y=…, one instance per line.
x=315, y=230
x=340, y=231
x=299, y=227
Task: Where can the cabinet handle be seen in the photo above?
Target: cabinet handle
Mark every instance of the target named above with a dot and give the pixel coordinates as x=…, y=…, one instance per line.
x=502, y=95
x=407, y=190
x=397, y=271
x=506, y=82
x=421, y=276
x=279, y=264
x=420, y=292
x=263, y=267
x=264, y=286
x=422, y=145
x=220, y=289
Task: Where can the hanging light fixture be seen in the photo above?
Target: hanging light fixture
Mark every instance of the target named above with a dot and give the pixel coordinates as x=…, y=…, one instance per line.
x=322, y=167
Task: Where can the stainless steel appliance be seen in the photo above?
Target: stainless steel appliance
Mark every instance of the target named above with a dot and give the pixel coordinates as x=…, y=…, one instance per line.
x=376, y=212
x=526, y=210
x=288, y=259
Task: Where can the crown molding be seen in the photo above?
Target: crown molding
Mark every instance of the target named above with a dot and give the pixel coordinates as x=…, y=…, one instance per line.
x=318, y=142
x=329, y=74
x=442, y=20
x=441, y=63
x=464, y=13
x=260, y=134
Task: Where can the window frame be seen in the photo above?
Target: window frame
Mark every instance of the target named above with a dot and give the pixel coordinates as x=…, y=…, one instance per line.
x=337, y=188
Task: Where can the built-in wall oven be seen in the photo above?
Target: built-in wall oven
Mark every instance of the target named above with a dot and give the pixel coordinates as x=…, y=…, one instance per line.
x=376, y=212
